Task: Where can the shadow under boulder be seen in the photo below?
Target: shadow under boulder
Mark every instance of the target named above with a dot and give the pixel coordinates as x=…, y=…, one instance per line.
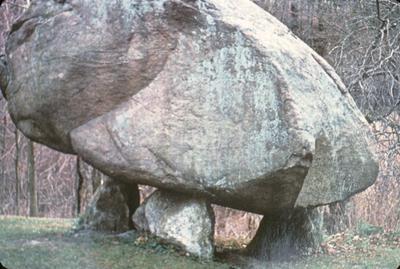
x=112, y=207
x=286, y=234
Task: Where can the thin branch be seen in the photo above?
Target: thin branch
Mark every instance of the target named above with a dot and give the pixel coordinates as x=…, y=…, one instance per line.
x=13, y=4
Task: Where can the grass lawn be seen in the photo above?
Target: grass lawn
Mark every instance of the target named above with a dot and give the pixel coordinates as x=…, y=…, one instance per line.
x=49, y=243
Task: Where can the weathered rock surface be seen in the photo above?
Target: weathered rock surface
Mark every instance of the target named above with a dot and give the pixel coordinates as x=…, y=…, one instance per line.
x=111, y=207
x=215, y=98
x=293, y=232
x=180, y=219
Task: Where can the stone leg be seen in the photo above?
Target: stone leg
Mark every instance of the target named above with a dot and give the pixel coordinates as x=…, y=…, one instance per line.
x=296, y=232
x=180, y=219
x=112, y=207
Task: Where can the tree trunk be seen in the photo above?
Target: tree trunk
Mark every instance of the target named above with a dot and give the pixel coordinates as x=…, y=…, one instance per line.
x=33, y=200
x=3, y=146
x=2, y=151
x=78, y=187
x=16, y=167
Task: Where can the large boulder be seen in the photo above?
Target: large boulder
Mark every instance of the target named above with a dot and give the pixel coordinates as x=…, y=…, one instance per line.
x=214, y=98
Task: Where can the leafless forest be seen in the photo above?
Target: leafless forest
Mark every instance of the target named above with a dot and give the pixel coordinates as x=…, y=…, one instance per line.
x=361, y=39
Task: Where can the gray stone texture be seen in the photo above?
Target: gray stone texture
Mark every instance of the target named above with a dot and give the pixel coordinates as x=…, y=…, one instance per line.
x=289, y=233
x=111, y=207
x=180, y=219
x=214, y=98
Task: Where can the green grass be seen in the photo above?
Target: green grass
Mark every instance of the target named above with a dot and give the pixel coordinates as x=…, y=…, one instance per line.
x=385, y=259
x=50, y=243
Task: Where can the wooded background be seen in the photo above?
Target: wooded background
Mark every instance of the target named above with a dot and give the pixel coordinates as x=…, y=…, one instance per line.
x=361, y=39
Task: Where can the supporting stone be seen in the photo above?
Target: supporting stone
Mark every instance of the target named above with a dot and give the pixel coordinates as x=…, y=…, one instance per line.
x=336, y=216
x=285, y=234
x=112, y=207
x=180, y=219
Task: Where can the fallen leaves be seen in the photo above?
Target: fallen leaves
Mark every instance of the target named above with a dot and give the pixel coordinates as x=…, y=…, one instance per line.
x=349, y=243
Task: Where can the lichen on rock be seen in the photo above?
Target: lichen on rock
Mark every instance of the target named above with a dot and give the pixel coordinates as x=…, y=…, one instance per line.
x=179, y=219
x=211, y=98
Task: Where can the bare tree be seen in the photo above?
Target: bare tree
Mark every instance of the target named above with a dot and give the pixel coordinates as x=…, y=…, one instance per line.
x=3, y=129
x=33, y=199
x=17, y=179
x=361, y=39
x=78, y=187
